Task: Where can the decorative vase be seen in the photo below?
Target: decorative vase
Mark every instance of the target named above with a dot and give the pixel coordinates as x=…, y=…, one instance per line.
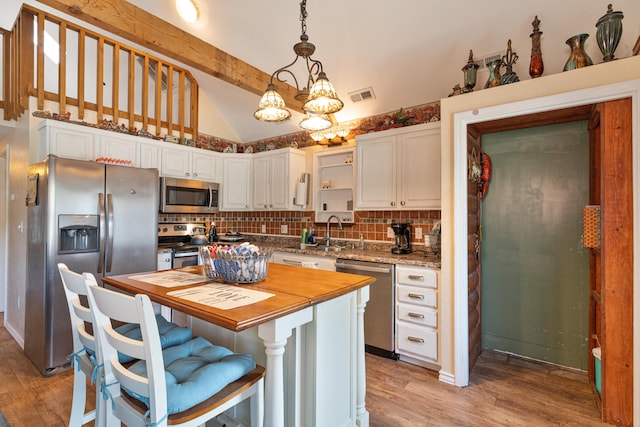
x=470, y=71
x=608, y=32
x=494, y=74
x=578, y=57
x=536, y=66
x=509, y=60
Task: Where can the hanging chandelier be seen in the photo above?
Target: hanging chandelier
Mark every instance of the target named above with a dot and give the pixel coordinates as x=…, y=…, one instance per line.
x=318, y=95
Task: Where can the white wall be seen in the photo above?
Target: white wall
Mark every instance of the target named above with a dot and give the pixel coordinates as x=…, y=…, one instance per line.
x=578, y=87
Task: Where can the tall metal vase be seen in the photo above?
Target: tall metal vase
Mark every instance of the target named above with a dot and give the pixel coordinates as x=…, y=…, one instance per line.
x=609, y=32
x=578, y=57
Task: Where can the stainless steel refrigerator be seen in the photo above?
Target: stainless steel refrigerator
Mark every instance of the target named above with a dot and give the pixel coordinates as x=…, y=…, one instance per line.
x=93, y=217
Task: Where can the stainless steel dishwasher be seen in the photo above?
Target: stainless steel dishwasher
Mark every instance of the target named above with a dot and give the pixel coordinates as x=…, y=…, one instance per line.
x=379, y=314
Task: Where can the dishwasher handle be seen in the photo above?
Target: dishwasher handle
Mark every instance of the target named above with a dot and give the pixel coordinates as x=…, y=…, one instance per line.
x=360, y=267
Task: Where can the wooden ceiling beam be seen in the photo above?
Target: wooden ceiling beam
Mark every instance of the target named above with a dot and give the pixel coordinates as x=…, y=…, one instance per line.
x=128, y=21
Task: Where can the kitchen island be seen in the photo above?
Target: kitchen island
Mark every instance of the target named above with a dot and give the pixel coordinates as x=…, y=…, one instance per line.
x=317, y=316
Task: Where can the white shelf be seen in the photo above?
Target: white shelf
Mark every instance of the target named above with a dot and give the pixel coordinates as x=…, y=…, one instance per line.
x=331, y=166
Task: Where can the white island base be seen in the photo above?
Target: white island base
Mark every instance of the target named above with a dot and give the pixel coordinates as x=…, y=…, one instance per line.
x=314, y=360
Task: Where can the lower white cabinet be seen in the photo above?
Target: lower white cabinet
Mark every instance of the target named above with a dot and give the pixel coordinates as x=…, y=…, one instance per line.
x=417, y=315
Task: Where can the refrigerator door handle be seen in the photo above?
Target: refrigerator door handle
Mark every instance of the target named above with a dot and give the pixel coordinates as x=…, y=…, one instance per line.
x=110, y=232
x=103, y=231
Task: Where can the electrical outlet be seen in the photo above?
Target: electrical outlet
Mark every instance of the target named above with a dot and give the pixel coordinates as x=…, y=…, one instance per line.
x=264, y=228
x=284, y=229
x=418, y=233
x=390, y=233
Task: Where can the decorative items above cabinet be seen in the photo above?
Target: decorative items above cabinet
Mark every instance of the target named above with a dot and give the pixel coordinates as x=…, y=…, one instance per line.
x=399, y=168
x=334, y=183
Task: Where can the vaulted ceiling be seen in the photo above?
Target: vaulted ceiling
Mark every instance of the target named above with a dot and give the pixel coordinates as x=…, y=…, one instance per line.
x=409, y=52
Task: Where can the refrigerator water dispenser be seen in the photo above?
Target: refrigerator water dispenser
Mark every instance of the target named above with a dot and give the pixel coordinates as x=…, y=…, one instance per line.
x=78, y=233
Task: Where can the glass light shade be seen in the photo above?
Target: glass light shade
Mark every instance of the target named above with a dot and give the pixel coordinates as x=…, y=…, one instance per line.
x=322, y=97
x=271, y=107
x=317, y=136
x=188, y=10
x=315, y=122
x=330, y=134
x=342, y=131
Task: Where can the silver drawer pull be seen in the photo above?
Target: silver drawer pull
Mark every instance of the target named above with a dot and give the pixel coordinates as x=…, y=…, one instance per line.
x=415, y=339
x=414, y=277
x=417, y=296
x=416, y=315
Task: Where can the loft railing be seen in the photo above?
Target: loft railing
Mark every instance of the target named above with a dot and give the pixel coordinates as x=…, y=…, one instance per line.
x=86, y=74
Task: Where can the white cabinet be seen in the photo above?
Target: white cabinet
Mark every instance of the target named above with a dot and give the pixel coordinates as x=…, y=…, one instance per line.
x=236, y=182
x=65, y=140
x=150, y=155
x=120, y=148
x=399, y=168
x=302, y=260
x=275, y=175
x=334, y=183
x=187, y=162
x=417, y=317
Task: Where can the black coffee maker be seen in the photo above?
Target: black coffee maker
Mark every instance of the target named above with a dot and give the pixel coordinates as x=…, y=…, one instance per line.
x=402, y=242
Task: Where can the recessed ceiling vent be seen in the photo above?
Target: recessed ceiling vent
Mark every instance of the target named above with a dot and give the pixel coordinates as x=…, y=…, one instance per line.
x=362, y=95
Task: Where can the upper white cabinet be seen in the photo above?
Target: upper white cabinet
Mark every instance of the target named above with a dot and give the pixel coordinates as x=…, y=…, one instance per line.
x=119, y=147
x=275, y=175
x=189, y=163
x=399, y=168
x=65, y=140
x=236, y=182
x=334, y=183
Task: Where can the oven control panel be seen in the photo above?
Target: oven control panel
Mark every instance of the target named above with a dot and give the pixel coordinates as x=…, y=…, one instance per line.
x=181, y=229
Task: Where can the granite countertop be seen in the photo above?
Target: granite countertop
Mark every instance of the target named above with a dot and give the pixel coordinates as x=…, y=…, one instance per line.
x=372, y=252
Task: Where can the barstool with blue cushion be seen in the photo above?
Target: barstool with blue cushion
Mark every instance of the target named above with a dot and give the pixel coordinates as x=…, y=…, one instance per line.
x=183, y=385
x=86, y=357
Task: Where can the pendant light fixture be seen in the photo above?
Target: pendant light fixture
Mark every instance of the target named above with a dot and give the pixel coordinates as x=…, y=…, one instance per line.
x=318, y=95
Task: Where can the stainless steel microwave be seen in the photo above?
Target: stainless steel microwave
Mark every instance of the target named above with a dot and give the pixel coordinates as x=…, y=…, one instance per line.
x=188, y=196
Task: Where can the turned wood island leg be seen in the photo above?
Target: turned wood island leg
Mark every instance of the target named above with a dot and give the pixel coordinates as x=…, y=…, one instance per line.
x=274, y=335
x=362, y=415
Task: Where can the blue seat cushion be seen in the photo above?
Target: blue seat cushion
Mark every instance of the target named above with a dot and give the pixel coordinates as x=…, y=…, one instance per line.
x=170, y=335
x=195, y=371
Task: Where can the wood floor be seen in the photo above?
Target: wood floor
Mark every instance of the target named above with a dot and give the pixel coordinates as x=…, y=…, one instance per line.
x=503, y=392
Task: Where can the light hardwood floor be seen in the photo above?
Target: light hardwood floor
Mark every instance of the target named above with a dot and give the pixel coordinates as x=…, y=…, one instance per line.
x=503, y=392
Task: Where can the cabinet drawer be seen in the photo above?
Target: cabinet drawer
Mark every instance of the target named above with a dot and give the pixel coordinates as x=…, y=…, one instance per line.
x=419, y=296
x=418, y=315
x=416, y=276
x=422, y=342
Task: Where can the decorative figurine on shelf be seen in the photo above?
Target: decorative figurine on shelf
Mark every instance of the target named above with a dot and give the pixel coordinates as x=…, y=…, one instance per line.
x=470, y=72
x=536, y=66
x=457, y=90
x=609, y=32
x=509, y=60
x=494, y=73
x=578, y=57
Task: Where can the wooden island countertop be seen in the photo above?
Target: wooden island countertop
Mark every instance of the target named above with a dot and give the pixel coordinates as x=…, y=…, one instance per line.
x=295, y=288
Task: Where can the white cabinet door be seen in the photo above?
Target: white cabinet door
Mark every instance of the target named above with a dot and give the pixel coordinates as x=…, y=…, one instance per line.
x=279, y=184
x=419, y=170
x=176, y=163
x=377, y=174
x=120, y=149
x=69, y=143
x=261, y=183
x=236, y=182
x=203, y=167
x=150, y=156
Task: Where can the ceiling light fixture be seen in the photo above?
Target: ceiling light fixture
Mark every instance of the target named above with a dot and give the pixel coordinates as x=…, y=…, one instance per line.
x=188, y=10
x=319, y=96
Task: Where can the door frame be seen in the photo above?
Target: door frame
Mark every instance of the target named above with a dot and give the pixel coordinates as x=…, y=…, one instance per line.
x=459, y=273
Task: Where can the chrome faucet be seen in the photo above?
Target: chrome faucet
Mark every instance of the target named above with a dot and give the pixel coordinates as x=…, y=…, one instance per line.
x=329, y=228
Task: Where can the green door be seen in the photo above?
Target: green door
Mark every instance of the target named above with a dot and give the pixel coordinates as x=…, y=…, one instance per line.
x=535, y=272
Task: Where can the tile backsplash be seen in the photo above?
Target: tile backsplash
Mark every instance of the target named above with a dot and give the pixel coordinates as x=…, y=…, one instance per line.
x=371, y=224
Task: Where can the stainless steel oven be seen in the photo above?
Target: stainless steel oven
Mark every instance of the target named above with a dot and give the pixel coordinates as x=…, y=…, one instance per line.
x=185, y=256
x=188, y=196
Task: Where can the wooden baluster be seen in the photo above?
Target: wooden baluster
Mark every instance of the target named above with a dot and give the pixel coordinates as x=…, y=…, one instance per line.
x=170, y=100
x=81, y=72
x=62, y=68
x=158, y=102
x=100, y=80
x=115, y=90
